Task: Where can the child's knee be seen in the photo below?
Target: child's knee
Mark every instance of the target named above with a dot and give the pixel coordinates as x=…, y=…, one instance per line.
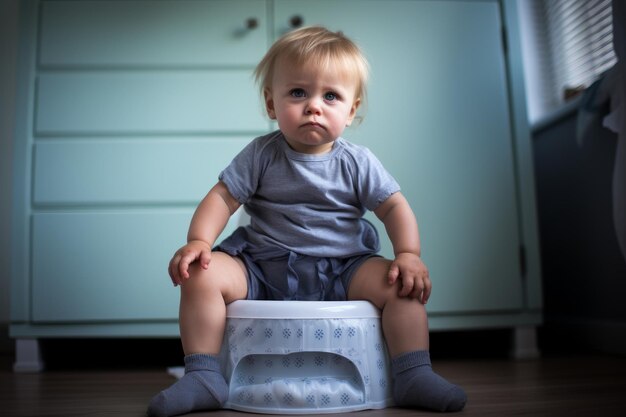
x=371, y=283
x=200, y=278
x=225, y=276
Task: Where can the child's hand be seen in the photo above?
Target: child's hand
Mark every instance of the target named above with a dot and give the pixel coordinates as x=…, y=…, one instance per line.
x=413, y=275
x=196, y=250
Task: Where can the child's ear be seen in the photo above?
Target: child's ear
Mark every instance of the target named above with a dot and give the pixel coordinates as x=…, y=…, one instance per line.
x=269, y=104
x=353, y=109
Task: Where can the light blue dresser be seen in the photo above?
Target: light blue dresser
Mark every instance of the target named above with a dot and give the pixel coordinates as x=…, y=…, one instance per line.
x=128, y=110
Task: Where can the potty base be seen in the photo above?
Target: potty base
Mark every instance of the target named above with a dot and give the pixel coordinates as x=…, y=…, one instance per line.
x=328, y=357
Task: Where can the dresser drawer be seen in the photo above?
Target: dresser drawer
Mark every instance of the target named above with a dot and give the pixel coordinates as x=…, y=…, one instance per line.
x=129, y=171
x=152, y=33
x=154, y=102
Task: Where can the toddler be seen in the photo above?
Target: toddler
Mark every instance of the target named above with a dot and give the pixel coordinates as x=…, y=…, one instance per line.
x=306, y=190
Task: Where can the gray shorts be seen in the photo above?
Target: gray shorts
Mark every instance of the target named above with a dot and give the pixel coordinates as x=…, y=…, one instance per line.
x=278, y=274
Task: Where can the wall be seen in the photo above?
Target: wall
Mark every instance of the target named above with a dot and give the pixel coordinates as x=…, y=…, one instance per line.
x=8, y=57
x=584, y=273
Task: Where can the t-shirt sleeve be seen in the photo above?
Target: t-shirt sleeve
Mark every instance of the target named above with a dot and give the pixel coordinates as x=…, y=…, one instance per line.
x=375, y=183
x=241, y=175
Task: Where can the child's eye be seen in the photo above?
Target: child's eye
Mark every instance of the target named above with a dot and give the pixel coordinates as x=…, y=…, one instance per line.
x=330, y=96
x=297, y=92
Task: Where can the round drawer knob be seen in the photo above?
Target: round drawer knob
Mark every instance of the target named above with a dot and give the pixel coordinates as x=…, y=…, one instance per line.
x=296, y=21
x=252, y=23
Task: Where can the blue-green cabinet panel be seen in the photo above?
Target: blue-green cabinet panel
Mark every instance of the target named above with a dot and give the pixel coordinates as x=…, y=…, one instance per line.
x=95, y=266
x=104, y=266
x=101, y=102
x=146, y=33
x=157, y=171
x=437, y=116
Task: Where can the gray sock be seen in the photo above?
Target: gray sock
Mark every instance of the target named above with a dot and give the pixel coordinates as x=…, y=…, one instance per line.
x=417, y=386
x=201, y=388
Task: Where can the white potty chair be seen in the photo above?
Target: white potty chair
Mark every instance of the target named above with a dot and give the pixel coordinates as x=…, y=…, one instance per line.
x=301, y=357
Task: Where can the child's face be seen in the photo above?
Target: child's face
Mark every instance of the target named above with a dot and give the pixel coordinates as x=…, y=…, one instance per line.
x=312, y=106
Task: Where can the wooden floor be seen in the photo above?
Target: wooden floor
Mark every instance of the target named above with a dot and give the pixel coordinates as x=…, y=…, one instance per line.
x=560, y=386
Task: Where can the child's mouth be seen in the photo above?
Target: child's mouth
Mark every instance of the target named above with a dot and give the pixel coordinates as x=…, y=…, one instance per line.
x=313, y=124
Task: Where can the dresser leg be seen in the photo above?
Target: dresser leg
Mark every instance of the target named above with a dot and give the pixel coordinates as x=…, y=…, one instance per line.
x=525, y=343
x=27, y=356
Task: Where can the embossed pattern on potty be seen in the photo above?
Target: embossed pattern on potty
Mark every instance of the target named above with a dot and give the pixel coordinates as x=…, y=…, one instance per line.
x=297, y=366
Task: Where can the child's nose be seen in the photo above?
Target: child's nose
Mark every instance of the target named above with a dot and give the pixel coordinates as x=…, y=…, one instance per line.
x=314, y=106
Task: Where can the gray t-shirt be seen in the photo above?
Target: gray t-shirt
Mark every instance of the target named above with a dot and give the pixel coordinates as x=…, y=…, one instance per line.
x=309, y=204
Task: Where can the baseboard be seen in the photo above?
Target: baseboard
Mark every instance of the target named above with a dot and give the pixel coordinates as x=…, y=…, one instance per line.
x=601, y=336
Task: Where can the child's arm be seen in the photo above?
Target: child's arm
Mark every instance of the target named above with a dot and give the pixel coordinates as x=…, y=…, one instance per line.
x=207, y=223
x=401, y=226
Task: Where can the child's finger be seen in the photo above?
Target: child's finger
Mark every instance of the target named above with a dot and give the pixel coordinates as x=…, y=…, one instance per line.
x=205, y=258
x=421, y=286
x=426, y=293
x=183, y=265
x=393, y=274
x=408, y=284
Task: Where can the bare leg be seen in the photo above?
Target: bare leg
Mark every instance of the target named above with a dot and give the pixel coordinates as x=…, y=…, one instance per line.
x=203, y=301
x=204, y=297
x=405, y=325
x=405, y=322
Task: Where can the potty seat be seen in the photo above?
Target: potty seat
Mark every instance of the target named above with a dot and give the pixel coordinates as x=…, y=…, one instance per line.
x=301, y=357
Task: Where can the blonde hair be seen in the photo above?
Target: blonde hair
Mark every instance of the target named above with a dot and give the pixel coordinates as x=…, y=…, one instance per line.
x=317, y=46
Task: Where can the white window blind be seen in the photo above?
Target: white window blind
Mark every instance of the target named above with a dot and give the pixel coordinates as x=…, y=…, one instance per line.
x=570, y=46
